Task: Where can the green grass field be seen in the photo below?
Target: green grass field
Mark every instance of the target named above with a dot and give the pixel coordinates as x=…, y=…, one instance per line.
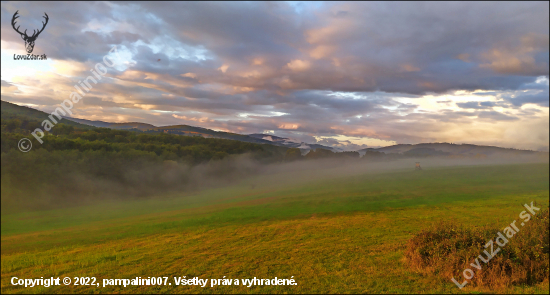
x=344, y=234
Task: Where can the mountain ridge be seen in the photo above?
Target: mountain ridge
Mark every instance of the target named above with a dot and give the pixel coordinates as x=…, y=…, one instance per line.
x=448, y=149
x=421, y=149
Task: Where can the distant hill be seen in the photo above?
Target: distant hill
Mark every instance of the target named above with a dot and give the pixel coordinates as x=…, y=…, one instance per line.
x=442, y=149
x=10, y=110
x=174, y=129
x=208, y=133
x=187, y=130
x=304, y=147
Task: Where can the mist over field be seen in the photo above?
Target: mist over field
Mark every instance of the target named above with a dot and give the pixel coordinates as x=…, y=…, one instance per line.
x=291, y=147
x=62, y=185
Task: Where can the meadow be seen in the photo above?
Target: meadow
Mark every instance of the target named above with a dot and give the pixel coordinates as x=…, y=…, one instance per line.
x=333, y=232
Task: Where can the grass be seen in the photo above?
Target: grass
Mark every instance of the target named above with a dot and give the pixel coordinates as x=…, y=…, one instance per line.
x=521, y=255
x=346, y=234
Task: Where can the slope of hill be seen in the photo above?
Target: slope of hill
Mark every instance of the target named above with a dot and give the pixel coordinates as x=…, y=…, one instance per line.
x=173, y=129
x=208, y=133
x=422, y=149
x=10, y=111
x=276, y=139
x=13, y=111
x=123, y=126
x=187, y=130
x=304, y=147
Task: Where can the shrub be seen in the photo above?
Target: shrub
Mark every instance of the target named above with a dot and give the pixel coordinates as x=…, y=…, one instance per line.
x=447, y=250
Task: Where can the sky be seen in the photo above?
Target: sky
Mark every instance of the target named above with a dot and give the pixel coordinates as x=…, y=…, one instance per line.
x=345, y=74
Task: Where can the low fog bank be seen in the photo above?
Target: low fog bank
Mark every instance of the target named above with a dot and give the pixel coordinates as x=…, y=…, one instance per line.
x=43, y=185
x=313, y=170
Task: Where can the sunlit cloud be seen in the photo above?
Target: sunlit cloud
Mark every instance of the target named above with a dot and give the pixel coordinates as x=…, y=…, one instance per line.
x=349, y=75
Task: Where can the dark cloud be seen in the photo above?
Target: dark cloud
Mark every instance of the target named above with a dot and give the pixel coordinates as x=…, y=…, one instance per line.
x=7, y=84
x=394, y=47
x=535, y=93
x=475, y=105
x=487, y=103
x=496, y=116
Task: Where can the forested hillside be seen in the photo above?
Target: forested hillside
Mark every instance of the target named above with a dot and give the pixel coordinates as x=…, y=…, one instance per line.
x=77, y=162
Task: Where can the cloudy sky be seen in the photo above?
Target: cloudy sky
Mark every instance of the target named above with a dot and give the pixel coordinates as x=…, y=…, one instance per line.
x=343, y=74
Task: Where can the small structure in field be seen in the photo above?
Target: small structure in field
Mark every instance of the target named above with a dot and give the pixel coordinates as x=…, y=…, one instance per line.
x=417, y=167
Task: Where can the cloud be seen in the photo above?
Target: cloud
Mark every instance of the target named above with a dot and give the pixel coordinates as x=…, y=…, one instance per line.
x=223, y=68
x=381, y=71
x=540, y=98
x=472, y=105
x=8, y=88
x=522, y=58
x=496, y=116
x=299, y=65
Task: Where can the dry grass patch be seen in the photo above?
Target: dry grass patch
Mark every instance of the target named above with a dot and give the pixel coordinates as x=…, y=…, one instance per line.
x=448, y=249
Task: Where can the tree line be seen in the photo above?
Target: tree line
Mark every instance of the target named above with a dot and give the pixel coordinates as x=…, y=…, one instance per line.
x=76, y=164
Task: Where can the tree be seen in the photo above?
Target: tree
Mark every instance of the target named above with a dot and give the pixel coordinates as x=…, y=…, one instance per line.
x=13, y=124
x=319, y=154
x=293, y=154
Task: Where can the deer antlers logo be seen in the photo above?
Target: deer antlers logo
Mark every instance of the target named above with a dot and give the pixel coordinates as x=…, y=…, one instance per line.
x=29, y=40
